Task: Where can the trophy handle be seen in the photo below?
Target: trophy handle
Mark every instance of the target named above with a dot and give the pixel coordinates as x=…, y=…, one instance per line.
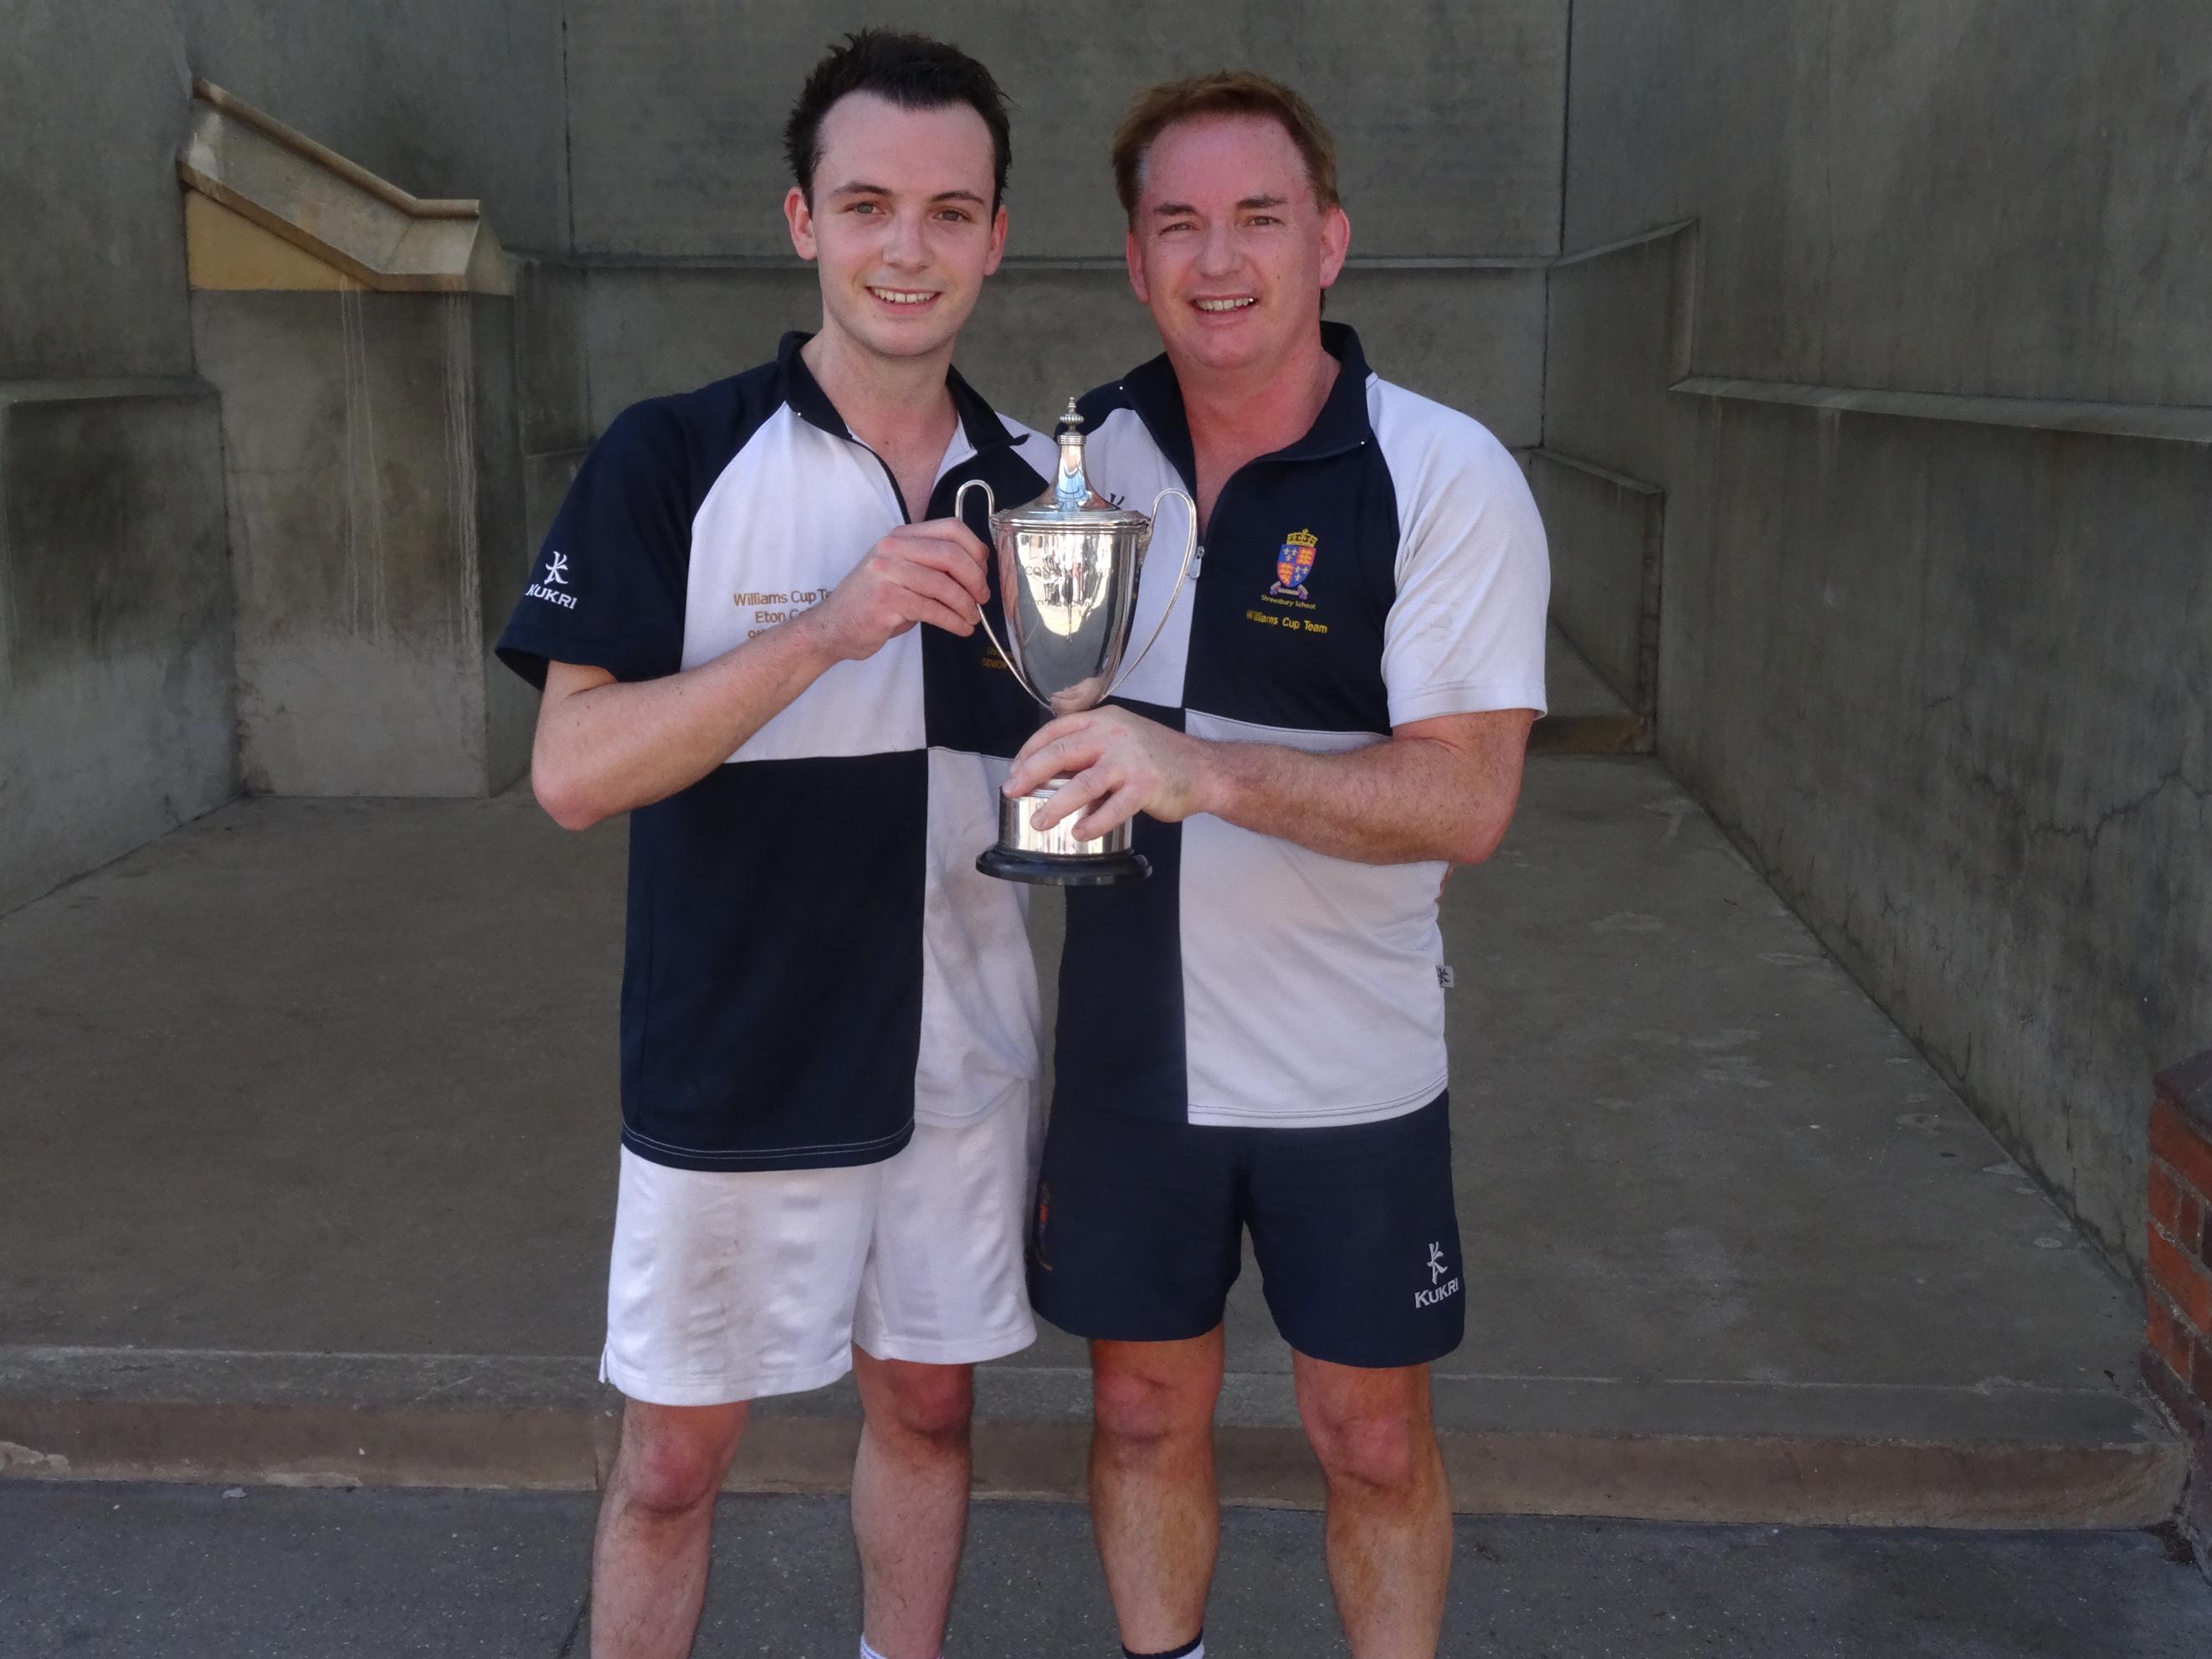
x=990, y=507
x=1189, y=546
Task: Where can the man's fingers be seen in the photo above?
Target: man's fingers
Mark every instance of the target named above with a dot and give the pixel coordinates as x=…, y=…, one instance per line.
x=931, y=583
x=1067, y=726
x=1110, y=814
x=951, y=532
x=932, y=597
x=1072, y=797
x=910, y=551
x=937, y=615
x=1069, y=755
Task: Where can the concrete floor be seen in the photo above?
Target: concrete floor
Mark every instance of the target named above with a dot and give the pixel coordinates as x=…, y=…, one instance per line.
x=316, y=1099
x=184, y=1573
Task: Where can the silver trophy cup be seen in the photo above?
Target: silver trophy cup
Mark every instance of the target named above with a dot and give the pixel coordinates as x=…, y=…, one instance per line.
x=1067, y=566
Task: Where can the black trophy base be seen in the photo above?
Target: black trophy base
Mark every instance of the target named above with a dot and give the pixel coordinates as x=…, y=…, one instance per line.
x=1063, y=870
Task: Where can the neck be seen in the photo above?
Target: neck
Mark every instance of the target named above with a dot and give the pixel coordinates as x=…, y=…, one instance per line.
x=1257, y=410
x=884, y=397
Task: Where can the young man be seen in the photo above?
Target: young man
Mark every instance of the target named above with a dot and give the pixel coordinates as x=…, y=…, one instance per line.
x=1335, y=714
x=754, y=623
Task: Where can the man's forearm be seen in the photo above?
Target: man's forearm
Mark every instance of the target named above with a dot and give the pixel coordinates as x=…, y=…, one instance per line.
x=614, y=747
x=1405, y=800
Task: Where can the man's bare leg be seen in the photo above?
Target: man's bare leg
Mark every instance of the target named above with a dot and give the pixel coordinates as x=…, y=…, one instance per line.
x=1389, y=1513
x=1153, y=1506
x=656, y=1521
x=910, y=1499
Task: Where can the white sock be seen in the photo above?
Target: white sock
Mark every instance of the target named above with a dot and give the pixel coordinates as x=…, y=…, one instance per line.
x=1195, y=1650
x=867, y=1652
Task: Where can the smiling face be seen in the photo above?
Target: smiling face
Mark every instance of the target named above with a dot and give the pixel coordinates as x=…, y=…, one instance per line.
x=901, y=227
x=1228, y=247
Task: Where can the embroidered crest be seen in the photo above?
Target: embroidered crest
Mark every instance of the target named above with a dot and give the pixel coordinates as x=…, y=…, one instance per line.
x=1294, y=562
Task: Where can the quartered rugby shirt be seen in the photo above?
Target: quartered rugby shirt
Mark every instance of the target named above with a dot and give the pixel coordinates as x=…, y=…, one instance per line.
x=812, y=960
x=1390, y=567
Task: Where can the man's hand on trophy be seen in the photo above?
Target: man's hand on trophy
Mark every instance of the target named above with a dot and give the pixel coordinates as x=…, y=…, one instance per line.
x=920, y=572
x=1118, y=764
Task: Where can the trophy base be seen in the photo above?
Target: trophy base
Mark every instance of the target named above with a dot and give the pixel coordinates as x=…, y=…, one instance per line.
x=1053, y=857
x=1064, y=869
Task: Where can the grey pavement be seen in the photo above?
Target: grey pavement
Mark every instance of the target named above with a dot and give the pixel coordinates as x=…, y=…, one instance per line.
x=313, y=1102
x=120, y=1571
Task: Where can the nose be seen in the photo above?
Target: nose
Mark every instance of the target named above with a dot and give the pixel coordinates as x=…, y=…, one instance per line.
x=1217, y=254
x=905, y=247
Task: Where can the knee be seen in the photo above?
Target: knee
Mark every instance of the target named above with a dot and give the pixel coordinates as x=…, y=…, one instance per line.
x=930, y=1404
x=671, y=1469
x=1136, y=1410
x=1385, y=1451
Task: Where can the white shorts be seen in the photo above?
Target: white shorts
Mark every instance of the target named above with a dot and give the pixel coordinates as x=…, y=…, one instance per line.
x=731, y=1284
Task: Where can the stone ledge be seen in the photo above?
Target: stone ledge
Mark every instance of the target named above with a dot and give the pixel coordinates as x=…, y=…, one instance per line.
x=2156, y=423
x=1677, y=1451
x=110, y=390
x=287, y=213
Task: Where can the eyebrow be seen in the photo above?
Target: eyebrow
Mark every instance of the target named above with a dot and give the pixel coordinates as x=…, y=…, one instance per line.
x=861, y=187
x=1250, y=203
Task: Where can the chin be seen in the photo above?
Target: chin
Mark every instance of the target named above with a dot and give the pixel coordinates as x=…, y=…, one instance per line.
x=891, y=339
x=1221, y=352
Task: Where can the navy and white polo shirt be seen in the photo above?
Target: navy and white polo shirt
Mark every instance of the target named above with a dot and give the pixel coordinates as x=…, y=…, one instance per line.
x=812, y=960
x=1390, y=567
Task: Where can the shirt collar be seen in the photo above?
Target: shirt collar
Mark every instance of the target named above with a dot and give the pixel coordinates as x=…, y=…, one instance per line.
x=978, y=420
x=1342, y=423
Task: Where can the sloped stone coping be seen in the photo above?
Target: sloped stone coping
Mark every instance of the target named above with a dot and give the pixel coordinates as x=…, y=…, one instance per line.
x=268, y=207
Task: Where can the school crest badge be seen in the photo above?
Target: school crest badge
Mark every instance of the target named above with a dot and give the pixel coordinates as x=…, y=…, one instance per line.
x=1294, y=562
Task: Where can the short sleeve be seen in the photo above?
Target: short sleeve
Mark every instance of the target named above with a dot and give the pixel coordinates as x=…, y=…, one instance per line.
x=1466, y=630
x=607, y=590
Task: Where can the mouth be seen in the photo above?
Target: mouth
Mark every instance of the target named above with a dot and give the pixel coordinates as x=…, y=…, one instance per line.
x=1227, y=305
x=903, y=299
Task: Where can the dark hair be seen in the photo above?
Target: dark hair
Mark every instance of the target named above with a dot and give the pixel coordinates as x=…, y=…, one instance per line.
x=1224, y=92
x=911, y=70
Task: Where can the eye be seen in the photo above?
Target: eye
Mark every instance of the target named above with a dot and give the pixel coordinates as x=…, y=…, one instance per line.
x=1263, y=219
x=870, y=208
x=957, y=216
x=1170, y=228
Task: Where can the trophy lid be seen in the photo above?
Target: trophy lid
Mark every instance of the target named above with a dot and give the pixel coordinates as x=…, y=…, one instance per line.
x=1070, y=500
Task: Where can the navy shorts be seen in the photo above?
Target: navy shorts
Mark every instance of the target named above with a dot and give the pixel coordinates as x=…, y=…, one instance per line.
x=1135, y=1236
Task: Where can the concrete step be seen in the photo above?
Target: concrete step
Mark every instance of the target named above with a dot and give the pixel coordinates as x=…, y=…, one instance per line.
x=308, y=1126
x=1525, y=1445
x=1584, y=716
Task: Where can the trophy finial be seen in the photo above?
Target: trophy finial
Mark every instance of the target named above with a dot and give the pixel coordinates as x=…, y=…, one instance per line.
x=1071, y=493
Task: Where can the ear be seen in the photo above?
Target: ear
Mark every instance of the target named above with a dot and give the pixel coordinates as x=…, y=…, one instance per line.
x=1135, y=255
x=1335, y=243
x=800, y=218
x=998, y=240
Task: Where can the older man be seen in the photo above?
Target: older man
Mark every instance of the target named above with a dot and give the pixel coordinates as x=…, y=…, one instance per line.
x=1253, y=1039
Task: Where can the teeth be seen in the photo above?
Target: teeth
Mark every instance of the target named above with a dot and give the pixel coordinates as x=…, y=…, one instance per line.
x=902, y=296
x=1225, y=305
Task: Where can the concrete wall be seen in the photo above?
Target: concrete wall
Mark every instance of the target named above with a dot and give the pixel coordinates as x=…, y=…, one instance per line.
x=1971, y=195
x=91, y=267
x=676, y=112
x=675, y=120
x=115, y=690
x=442, y=97
x=115, y=705
x=1617, y=337
x=1932, y=659
x=376, y=522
